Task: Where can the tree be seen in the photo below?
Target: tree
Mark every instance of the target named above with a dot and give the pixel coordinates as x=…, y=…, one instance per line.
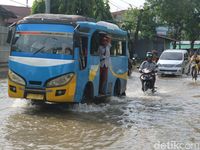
x=131, y=24
x=97, y=9
x=102, y=10
x=173, y=14
x=149, y=22
x=38, y=7
x=192, y=25
x=140, y=23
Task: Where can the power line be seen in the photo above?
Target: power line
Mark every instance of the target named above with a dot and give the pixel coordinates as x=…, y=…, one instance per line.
x=17, y=2
x=116, y=5
x=128, y=3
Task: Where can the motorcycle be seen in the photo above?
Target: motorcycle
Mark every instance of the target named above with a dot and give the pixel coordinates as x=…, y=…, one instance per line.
x=147, y=78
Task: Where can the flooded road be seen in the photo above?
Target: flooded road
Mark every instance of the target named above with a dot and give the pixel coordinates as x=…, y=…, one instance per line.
x=170, y=117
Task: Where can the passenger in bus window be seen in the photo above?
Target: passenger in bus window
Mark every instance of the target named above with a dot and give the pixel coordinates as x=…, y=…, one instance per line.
x=104, y=52
x=65, y=49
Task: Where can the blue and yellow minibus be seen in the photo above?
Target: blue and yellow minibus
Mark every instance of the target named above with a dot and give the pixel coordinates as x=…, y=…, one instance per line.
x=55, y=58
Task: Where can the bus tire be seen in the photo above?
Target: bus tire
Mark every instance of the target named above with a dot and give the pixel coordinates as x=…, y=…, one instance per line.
x=117, y=88
x=88, y=93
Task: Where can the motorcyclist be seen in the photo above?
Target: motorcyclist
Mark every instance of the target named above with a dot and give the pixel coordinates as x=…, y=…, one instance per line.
x=150, y=65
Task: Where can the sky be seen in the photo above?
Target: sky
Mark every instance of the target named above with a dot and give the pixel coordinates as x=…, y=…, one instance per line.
x=115, y=5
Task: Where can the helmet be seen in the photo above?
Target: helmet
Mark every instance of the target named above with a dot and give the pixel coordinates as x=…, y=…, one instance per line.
x=149, y=55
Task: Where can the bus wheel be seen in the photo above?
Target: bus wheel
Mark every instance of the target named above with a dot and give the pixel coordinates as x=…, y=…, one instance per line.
x=88, y=94
x=117, y=88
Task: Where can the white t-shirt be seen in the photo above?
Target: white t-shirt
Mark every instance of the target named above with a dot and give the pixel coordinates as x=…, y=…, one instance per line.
x=104, y=52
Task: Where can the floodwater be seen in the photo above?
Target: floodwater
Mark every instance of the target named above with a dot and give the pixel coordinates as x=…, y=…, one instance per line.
x=138, y=121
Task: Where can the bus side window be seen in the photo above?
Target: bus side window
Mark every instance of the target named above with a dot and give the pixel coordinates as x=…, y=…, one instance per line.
x=118, y=48
x=83, y=52
x=124, y=48
x=94, y=44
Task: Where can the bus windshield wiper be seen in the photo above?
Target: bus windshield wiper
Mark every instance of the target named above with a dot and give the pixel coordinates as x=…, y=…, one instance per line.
x=38, y=50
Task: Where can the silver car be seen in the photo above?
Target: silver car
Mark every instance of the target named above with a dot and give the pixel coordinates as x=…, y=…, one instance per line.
x=173, y=62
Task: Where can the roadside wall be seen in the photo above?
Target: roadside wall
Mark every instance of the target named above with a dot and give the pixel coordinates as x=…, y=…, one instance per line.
x=4, y=47
x=144, y=45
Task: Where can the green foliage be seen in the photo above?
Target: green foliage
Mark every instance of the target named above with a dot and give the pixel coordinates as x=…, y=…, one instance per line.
x=97, y=9
x=38, y=7
x=192, y=24
x=102, y=10
x=182, y=16
x=130, y=20
x=141, y=22
x=148, y=22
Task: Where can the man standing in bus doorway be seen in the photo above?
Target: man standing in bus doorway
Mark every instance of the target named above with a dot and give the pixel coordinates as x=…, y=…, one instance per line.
x=104, y=52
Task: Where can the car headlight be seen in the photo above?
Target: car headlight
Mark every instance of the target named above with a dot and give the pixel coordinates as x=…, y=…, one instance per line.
x=15, y=78
x=59, y=81
x=179, y=65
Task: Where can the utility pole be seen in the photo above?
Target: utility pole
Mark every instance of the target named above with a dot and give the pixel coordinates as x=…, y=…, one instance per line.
x=26, y=3
x=47, y=6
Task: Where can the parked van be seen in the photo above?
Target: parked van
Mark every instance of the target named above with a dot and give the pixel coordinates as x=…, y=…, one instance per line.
x=173, y=62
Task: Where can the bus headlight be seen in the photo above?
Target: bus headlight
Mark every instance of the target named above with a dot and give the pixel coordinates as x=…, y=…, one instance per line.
x=16, y=78
x=59, y=81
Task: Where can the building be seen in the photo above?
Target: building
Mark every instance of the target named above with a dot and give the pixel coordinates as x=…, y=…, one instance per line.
x=10, y=14
x=118, y=15
x=186, y=45
x=5, y=15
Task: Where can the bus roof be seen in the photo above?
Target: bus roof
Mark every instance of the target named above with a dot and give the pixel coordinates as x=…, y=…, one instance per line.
x=55, y=18
x=74, y=20
x=103, y=26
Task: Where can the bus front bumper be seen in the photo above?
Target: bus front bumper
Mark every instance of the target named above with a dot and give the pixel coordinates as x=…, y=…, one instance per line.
x=64, y=93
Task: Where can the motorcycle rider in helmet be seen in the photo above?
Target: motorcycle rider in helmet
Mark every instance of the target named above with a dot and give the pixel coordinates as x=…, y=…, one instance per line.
x=150, y=65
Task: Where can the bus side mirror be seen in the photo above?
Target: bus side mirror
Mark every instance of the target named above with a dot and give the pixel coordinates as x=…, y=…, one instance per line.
x=77, y=36
x=10, y=32
x=76, y=53
x=77, y=43
x=9, y=37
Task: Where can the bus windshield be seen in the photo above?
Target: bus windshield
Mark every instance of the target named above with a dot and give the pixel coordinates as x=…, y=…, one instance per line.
x=43, y=42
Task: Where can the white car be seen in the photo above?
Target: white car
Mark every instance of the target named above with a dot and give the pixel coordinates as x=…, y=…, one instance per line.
x=173, y=62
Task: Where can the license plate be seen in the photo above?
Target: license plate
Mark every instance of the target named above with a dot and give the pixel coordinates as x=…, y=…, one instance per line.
x=168, y=73
x=35, y=96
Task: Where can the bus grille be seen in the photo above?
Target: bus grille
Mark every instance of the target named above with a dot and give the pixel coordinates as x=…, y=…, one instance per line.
x=35, y=82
